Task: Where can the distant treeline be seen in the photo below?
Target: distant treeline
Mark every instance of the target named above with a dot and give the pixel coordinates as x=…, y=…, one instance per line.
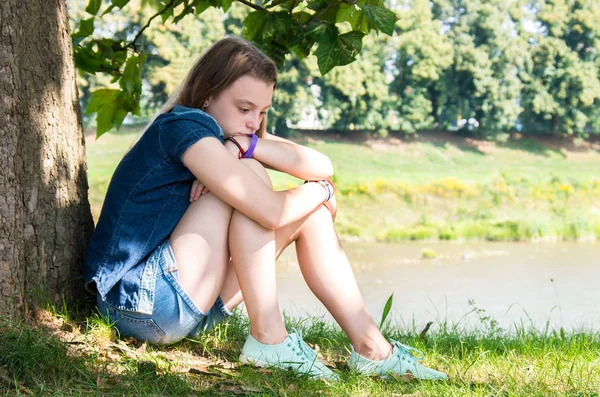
x=483, y=66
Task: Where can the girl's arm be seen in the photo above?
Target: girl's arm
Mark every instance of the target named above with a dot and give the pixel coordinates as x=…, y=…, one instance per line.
x=289, y=157
x=240, y=187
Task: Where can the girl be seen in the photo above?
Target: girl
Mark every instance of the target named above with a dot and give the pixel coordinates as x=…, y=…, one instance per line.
x=166, y=263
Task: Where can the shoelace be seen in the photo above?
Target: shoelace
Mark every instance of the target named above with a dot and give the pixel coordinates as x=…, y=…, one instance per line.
x=303, y=347
x=409, y=349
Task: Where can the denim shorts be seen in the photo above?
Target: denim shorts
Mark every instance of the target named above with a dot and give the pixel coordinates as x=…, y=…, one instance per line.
x=174, y=315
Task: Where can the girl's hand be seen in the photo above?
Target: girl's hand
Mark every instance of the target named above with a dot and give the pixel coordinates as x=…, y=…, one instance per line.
x=331, y=205
x=197, y=191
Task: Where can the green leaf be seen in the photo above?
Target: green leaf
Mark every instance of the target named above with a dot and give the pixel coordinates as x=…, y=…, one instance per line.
x=118, y=117
x=226, y=4
x=253, y=23
x=119, y=3
x=302, y=49
x=93, y=7
x=322, y=31
x=86, y=59
x=337, y=50
x=386, y=311
x=352, y=42
x=355, y=16
x=118, y=60
x=104, y=102
x=301, y=17
x=131, y=79
x=201, y=6
x=106, y=48
x=86, y=28
x=167, y=14
x=346, y=13
x=277, y=25
x=179, y=17
x=382, y=18
x=317, y=5
x=108, y=9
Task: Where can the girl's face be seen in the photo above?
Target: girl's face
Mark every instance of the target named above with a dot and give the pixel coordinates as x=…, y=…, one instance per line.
x=241, y=107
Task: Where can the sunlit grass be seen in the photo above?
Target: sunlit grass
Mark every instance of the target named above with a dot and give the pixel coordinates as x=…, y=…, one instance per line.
x=432, y=191
x=487, y=361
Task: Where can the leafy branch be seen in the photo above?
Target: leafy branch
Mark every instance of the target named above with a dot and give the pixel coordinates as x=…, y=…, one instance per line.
x=278, y=31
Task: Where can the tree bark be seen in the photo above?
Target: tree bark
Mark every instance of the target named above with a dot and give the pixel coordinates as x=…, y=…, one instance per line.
x=45, y=219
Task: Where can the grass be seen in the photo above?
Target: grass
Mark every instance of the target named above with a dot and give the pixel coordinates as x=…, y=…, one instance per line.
x=422, y=190
x=437, y=188
x=56, y=357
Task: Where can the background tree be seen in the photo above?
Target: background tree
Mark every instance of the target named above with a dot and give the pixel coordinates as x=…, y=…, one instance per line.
x=562, y=89
x=354, y=97
x=483, y=81
x=451, y=60
x=423, y=55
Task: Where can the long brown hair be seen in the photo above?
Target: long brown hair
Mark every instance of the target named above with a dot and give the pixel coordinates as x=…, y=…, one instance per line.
x=225, y=62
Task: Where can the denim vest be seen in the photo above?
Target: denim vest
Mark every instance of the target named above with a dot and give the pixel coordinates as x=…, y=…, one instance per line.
x=147, y=196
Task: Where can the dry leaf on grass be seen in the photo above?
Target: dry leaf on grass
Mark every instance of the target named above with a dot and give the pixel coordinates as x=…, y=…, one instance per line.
x=292, y=388
x=129, y=352
x=142, y=348
x=226, y=364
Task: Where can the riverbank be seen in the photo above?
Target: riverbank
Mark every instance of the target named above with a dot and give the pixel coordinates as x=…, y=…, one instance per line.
x=438, y=187
x=57, y=353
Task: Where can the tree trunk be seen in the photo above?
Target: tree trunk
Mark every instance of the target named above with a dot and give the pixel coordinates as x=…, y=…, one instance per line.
x=45, y=219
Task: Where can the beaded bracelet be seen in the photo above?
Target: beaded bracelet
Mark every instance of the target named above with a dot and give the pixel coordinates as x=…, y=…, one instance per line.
x=328, y=186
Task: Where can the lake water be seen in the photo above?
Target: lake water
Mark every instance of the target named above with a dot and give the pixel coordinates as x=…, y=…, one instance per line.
x=514, y=283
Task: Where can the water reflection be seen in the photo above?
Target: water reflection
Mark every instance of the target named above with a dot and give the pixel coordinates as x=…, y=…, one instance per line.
x=529, y=284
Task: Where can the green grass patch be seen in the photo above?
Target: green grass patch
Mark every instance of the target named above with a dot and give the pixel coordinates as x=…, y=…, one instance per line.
x=434, y=190
x=58, y=357
x=428, y=253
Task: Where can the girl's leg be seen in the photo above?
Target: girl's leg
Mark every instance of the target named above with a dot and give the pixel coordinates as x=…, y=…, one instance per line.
x=324, y=266
x=253, y=254
x=252, y=248
x=199, y=244
x=201, y=248
x=328, y=274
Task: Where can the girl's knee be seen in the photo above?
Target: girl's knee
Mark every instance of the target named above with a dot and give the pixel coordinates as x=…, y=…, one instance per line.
x=318, y=219
x=257, y=167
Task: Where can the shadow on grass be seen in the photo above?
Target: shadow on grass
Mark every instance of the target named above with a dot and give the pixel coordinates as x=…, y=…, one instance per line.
x=438, y=139
x=441, y=140
x=34, y=362
x=465, y=141
x=536, y=147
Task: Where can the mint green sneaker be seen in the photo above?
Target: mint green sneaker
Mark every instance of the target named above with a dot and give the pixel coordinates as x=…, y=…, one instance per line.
x=292, y=353
x=404, y=360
